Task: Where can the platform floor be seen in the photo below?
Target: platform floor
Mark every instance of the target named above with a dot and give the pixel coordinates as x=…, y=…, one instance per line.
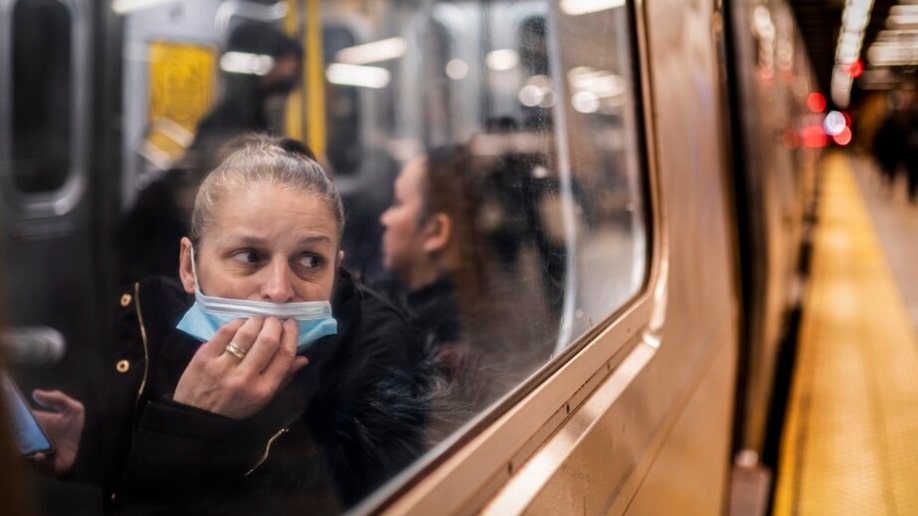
x=850, y=442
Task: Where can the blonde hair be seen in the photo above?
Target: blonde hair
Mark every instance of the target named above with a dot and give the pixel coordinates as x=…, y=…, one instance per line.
x=255, y=159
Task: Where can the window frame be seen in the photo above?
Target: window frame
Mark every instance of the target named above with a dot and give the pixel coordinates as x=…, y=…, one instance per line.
x=64, y=199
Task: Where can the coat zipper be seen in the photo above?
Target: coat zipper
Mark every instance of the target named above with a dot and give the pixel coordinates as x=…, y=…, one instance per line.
x=264, y=457
x=146, y=350
x=146, y=357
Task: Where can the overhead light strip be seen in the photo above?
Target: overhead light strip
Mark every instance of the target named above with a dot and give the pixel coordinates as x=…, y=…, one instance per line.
x=855, y=18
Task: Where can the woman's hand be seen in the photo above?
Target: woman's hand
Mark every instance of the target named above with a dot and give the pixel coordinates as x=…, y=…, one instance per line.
x=64, y=427
x=238, y=387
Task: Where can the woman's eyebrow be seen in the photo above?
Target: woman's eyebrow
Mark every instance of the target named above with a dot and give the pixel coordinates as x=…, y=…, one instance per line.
x=255, y=241
x=316, y=239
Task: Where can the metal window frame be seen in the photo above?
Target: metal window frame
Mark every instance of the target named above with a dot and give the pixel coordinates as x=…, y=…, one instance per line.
x=65, y=198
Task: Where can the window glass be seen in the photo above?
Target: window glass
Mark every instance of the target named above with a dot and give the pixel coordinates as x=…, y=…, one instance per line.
x=42, y=95
x=607, y=185
x=540, y=251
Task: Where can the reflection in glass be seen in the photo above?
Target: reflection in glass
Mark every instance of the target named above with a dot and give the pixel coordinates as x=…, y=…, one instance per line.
x=537, y=245
x=605, y=164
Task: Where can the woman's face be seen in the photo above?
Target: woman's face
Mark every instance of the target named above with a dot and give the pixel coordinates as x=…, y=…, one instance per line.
x=266, y=243
x=403, y=238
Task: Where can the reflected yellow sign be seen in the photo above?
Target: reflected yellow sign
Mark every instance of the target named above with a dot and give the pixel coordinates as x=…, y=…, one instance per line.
x=181, y=82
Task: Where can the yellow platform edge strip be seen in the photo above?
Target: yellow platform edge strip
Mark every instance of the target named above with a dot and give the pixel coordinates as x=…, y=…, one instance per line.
x=850, y=442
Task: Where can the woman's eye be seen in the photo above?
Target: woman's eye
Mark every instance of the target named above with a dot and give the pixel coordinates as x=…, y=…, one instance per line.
x=310, y=261
x=246, y=257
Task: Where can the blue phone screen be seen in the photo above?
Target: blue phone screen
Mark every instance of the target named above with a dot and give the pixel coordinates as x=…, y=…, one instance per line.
x=24, y=430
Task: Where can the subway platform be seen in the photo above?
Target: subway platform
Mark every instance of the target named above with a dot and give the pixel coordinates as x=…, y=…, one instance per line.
x=850, y=437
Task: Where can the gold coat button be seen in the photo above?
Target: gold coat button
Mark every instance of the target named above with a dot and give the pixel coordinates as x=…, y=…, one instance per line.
x=125, y=300
x=122, y=366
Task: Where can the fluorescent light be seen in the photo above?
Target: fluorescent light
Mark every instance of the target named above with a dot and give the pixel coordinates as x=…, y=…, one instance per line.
x=903, y=10
x=245, y=63
x=578, y=7
x=530, y=95
x=585, y=102
x=457, y=69
x=373, y=52
x=910, y=36
x=881, y=54
x=357, y=75
x=854, y=20
x=903, y=19
x=502, y=59
x=764, y=26
x=601, y=84
x=127, y=6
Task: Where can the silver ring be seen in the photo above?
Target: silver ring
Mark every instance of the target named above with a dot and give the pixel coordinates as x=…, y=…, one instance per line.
x=233, y=349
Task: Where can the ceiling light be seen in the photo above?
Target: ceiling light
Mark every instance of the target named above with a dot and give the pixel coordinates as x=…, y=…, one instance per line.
x=127, y=6
x=245, y=63
x=373, y=52
x=502, y=59
x=578, y=7
x=357, y=75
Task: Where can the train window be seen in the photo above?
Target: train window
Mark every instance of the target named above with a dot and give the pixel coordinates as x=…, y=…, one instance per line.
x=489, y=165
x=41, y=95
x=528, y=159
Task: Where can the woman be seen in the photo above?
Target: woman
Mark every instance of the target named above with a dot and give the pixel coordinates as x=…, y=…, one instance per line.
x=430, y=245
x=270, y=414
x=435, y=257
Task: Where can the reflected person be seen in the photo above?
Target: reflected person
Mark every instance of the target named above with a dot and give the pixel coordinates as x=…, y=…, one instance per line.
x=249, y=101
x=265, y=381
x=430, y=246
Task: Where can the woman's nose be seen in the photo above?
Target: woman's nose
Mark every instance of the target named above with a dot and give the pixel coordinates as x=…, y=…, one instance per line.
x=277, y=287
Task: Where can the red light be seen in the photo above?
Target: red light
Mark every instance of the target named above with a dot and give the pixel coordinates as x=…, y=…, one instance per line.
x=814, y=137
x=856, y=69
x=791, y=139
x=816, y=102
x=843, y=138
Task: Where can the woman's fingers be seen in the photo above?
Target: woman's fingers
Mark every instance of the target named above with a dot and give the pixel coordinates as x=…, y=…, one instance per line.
x=277, y=369
x=242, y=340
x=263, y=349
x=225, y=334
x=240, y=382
x=57, y=401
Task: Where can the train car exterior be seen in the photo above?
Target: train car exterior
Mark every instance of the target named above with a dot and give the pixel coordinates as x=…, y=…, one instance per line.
x=640, y=208
x=774, y=157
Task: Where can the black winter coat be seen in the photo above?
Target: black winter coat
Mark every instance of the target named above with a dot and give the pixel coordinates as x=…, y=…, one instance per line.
x=349, y=420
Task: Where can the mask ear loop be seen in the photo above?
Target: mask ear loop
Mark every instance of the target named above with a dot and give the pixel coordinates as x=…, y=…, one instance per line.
x=194, y=273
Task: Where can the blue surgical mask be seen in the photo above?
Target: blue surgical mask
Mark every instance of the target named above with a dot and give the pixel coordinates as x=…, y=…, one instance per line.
x=314, y=319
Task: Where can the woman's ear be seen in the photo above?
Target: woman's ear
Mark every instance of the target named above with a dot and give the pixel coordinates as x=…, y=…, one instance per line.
x=186, y=274
x=439, y=233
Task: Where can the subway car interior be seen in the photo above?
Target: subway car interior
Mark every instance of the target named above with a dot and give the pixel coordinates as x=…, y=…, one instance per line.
x=459, y=256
